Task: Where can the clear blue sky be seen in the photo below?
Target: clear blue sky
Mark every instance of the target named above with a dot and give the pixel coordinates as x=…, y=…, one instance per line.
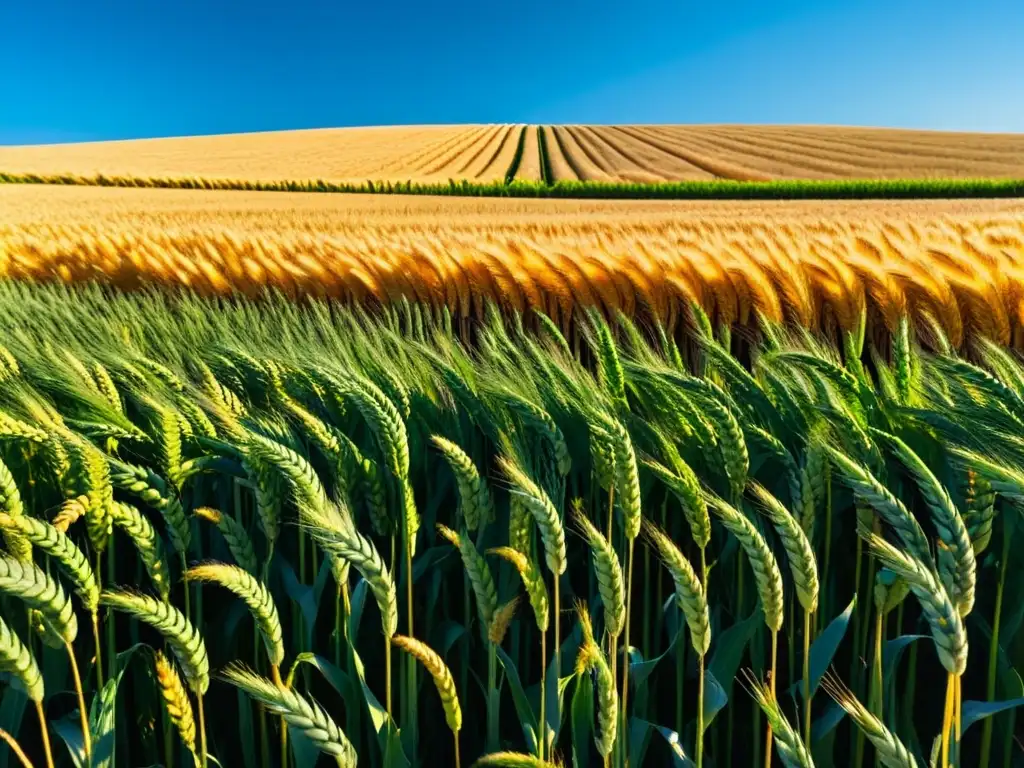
x=73, y=70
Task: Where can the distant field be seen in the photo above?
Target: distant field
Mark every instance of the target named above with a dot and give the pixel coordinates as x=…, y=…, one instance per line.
x=494, y=154
x=811, y=262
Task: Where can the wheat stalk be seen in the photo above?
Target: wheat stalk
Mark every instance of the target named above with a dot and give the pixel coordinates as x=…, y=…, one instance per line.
x=610, y=581
x=957, y=565
x=52, y=542
x=235, y=536
x=182, y=637
x=41, y=592
x=256, y=597
x=478, y=572
x=591, y=657
x=477, y=506
x=300, y=713
x=176, y=701
x=147, y=544
x=890, y=750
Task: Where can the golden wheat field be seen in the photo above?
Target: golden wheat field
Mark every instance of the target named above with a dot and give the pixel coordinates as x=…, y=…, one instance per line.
x=487, y=153
x=818, y=264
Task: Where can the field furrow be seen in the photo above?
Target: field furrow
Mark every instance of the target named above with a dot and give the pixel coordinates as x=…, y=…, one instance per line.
x=702, y=161
x=628, y=164
x=491, y=163
x=756, y=160
x=802, y=158
x=581, y=158
x=529, y=162
x=562, y=168
x=450, y=157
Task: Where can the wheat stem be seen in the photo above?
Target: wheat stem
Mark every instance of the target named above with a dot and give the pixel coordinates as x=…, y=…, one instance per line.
x=202, y=732
x=15, y=748
x=807, y=680
x=947, y=718
x=99, y=649
x=82, y=711
x=45, y=733
x=625, y=661
x=275, y=675
x=993, y=649
x=771, y=687
x=542, y=724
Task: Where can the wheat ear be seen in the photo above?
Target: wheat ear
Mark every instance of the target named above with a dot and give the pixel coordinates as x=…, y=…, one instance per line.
x=300, y=713
x=591, y=657
x=787, y=742
x=256, y=597
x=610, y=581
x=147, y=544
x=52, y=542
x=802, y=563
x=684, y=485
x=501, y=621
x=890, y=750
x=17, y=660
x=183, y=638
x=235, y=536
x=334, y=532
x=41, y=592
x=869, y=490
x=943, y=618
x=71, y=511
x=479, y=574
x=441, y=675
x=513, y=760
x=544, y=514
x=533, y=582
x=477, y=505
x=955, y=556
x=154, y=491
x=689, y=592
x=176, y=700
x=11, y=504
x=762, y=561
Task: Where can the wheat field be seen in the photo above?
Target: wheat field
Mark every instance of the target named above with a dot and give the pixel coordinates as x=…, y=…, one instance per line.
x=819, y=265
x=489, y=153
x=291, y=479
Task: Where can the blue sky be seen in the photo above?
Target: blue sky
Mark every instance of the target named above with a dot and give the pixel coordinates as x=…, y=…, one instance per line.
x=74, y=71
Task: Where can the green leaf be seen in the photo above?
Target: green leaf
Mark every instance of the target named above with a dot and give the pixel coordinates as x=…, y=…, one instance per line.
x=824, y=648
x=388, y=735
x=725, y=662
x=639, y=671
x=336, y=677
x=973, y=711
x=103, y=709
x=715, y=697
x=302, y=594
x=527, y=717
x=582, y=721
x=639, y=740
x=70, y=731
x=246, y=728
x=12, y=710
x=891, y=654
x=824, y=725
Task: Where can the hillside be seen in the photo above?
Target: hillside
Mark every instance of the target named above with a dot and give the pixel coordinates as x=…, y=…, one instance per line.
x=488, y=153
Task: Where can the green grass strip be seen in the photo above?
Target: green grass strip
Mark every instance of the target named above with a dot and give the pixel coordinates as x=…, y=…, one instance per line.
x=842, y=189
